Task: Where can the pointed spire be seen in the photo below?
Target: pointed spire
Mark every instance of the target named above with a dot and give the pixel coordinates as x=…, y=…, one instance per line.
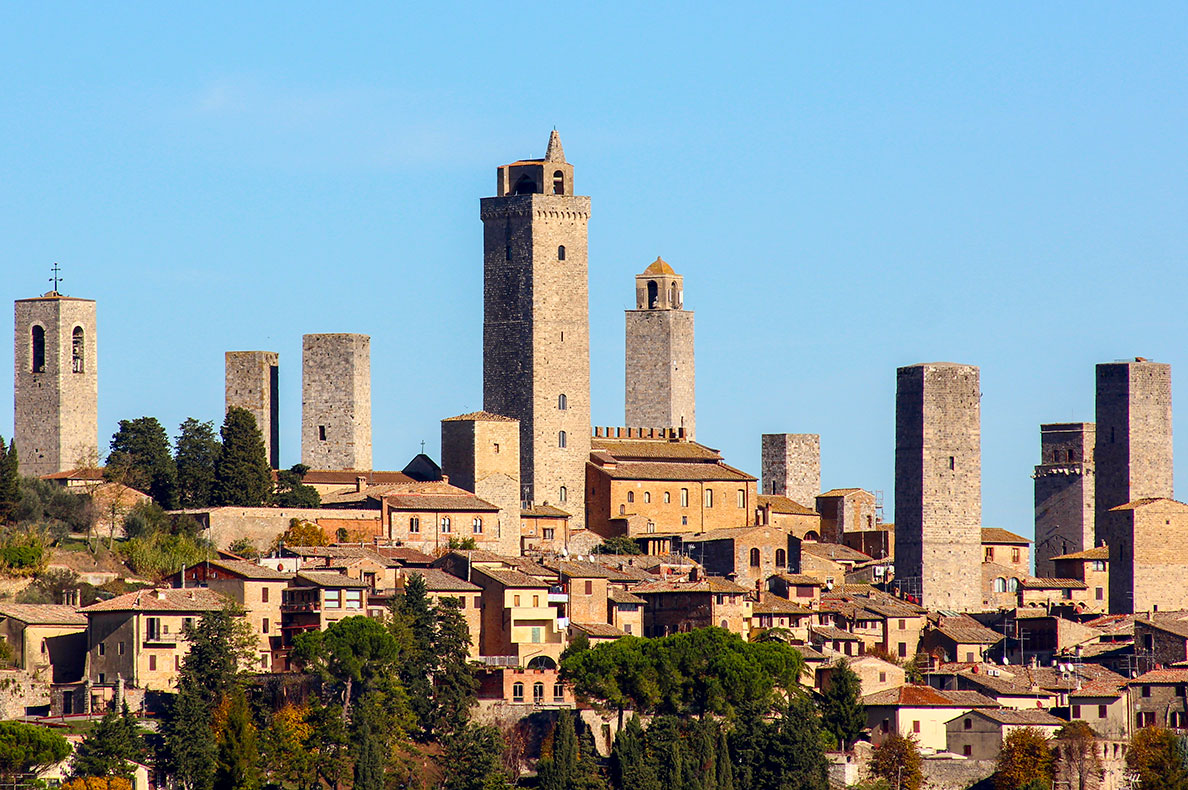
x=555, y=152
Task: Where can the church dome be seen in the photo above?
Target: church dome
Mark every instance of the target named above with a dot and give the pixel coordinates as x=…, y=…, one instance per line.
x=659, y=266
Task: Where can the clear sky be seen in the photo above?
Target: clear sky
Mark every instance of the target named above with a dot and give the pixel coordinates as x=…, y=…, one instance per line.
x=846, y=187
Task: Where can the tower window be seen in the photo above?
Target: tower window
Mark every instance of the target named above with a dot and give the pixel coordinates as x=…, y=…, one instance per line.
x=76, y=349
x=653, y=294
x=684, y=497
x=742, y=497
x=781, y=558
x=507, y=252
x=672, y=296
x=562, y=402
x=647, y=497
x=667, y=497
x=38, y=349
x=952, y=462
x=525, y=185
x=321, y=433
x=558, y=183
x=561, y=439
x=563, y=494
x=561, y=253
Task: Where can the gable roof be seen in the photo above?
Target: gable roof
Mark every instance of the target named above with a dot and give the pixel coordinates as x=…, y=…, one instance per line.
x=42, y=614
x=437, y=580
x=544, y=511
x=327, y=579
x=249, y=570
x=709, y=584
x=1095, y=553
x=599, y=630
x=927, y=697
x=1029, y=717
x=510, y=578
x=967, y=631
x=162, y=599
x=1000, y=535
x=783, y=504
x=833, y=551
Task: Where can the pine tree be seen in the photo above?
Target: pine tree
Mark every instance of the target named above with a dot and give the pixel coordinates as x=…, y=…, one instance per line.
x=238, y=761
x=110, y=747
x=242, y=475
x=369, y=765
x=630, y=767
x=842, y=714
x=140, y=458
x=10, y=481
x=291, y=492
x=197, y=452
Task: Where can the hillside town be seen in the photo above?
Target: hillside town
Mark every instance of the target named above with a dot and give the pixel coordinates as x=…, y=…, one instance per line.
x=550, y=540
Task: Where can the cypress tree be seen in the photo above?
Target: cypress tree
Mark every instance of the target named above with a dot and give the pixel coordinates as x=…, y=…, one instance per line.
x=10, y=480
x=238, y=759
x=559, y=771
x=454, y=684
x=842, y=714
x=369, y=765
x=419, y=668
x=723, y=768
x=197, y=452
x=630, y=767
x=242, y=475
x=109, y=747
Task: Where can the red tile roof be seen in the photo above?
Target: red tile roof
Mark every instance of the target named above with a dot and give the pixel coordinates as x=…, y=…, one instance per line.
x=161, y=600
x=999, y=535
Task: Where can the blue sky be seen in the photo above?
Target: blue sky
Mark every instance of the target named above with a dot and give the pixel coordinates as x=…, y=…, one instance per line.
x=846, y=187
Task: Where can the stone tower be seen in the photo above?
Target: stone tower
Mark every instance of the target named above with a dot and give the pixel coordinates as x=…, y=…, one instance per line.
x=1064, y=483
x=56, y=384
x=791, y=464
x=336, y=402
x=938, y=485
x=251, y=383
x=536, y=327
x=1133, y=454
x=660, y=391
x=481, y=453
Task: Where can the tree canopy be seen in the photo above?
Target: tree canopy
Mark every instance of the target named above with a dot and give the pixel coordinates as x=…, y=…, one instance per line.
x=111, y=747
x=28, y=748
x=291, y=492
x=1024, y=761
x=196, y=456
x=140, y=457
x=242, y=474
x=10, y=481
x=842, y=713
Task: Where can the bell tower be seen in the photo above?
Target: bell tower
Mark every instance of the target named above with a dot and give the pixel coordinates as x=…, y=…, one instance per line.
x=536, y=326
x=660, y=380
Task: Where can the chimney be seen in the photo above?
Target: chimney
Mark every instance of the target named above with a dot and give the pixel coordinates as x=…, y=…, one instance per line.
x=360, y=483
x=695, y=574
x=160, y=594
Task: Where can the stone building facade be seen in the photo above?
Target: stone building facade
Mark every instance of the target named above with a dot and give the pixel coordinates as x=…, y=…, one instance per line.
x=1133, y=456
x=1064, y=481
x=480, y=452
x=336, y=401
x=536, y=327
x=56, y=383
x=1149, y=556
x=938, y=484
x=252, y=383
x=660, y=374
x=791, y=466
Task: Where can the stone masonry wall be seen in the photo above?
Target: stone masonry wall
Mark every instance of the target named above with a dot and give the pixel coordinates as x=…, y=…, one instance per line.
x=1064, y=482
x=1160, y=558
x=938, y=484
x=482, y=455
x=56, y=415
x=791, y=466
x=1133, y=456
x=336, y=402
x=251, y=381
x=660, y=388
x=536, y=344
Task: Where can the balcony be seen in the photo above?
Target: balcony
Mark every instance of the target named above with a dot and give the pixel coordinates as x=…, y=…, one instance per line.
x=300, y=606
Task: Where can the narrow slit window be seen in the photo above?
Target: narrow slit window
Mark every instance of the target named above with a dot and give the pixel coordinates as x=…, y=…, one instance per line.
x=562, y=402
x=38, y=349
x=321, y=433
x=561, y=252
x=562, y=441
x=77, y=346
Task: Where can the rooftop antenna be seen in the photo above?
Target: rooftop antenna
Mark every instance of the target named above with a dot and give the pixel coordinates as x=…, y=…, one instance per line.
x=57, y=278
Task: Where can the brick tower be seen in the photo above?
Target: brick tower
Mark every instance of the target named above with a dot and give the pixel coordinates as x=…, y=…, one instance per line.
x=536, y=327
x=56, y=383
x=660, y=391
x=1064, y=483
x=938, y=484
x=251, y=383
x=336, y=402
x=791, y=464
x=480, y=452
x=1133, y=453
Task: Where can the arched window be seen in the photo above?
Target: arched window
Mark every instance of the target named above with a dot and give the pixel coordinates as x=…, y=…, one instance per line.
x=563, y=494
x=525, y=185
x=1013, y=584
x=38, y=349
x=77, y=345
x=445, y=524
x=684, y=497
x=414, y=524
x=672, y=296
x=667, y=497
x=630, y=496
x=517, y=692
x=647, y=497
x=537, y=693
x=754, y=558
x=742, y=497
x=1000, y=585
x=811, y=535
x=477, y=526
x=622, y=510
x=653, y=292
x=781, y=558
x=561, y=252
x=725, y=624
x=558, y=183
x=561, y=438
x=709, y=497
x=562, y=402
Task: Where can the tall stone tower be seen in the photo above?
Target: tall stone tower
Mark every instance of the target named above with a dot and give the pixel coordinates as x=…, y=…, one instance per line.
x=660, y=391
x=336, y=402
x=791, y=464
x=480, y=452
x=1064, y=483
x=536, y=326
x=56, y=383
x=938, y=484
x=1133, y=453
x=251, y=383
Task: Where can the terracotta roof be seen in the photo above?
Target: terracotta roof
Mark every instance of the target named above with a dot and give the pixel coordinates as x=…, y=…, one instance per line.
x=42, y=614
x=599, y=630
x=1139, y=503
x=709, y=584
x=1174, y=623
x=403, y=554
x=773, y=604
x=726, y=533
x=648, y=470
x=437, y=580
x=581, y=569
x=841, y=492
x=438, y=502
x=829, y=632
x=1033, y=583
x=926, y=697
x=513, y=578
x=1095, y=553
x=1027, y=717
x=76, y=474
x=617, y=595
x=161, y=599
x=653, y=449
x=967, y=631
x=348, y=476
x=783, y=504
x=999, y=535
x=833, y=551
x=1160, y=676
x=250, y=570
x=1098, y=688
x=659, y=266
x=544, y=511
x=801, y=579
x=480, y=416
x=332, y=580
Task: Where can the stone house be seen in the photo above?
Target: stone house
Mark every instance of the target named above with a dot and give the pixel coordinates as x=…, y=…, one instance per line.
x=920, y=712
x=544, y=529
x=798, y=587
x=518, y=618
x=316, y=600
x=1158, y=699
x=259, y=590
x=677, y=606
x=794, y=518
x=748, y=555
x=772, y=611
x=1102, y=705
x=1071, y=594
x=875, y=674
x=978, y=734
x=960, y=639
x=829, y=562
x=625, y=610
x=46, y=640
x=847, y=511
x=1003, y=547
x=1149, y=557
x=1000, y=585
x=834, y=641
x=1009, y=686
x=137, y=638
x=1092, y=567
x=1162, y=637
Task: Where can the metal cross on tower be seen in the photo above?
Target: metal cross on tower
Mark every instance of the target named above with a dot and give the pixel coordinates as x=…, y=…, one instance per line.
x=57, y=278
